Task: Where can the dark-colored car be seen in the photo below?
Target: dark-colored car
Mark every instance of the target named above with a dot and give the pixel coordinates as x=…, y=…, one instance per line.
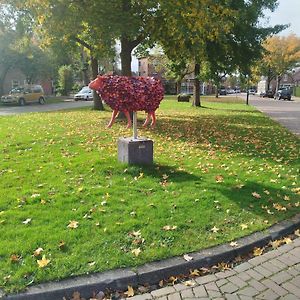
x=283, y=94
x=268, y=94
x=223, y=92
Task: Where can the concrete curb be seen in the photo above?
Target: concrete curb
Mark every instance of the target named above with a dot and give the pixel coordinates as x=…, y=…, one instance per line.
x=151, y=273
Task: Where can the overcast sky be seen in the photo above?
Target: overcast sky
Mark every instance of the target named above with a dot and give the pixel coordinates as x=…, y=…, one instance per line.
x=288, y=12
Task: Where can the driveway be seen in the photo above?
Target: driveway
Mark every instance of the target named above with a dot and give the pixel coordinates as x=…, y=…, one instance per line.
x=287, y=113
x=36, y=107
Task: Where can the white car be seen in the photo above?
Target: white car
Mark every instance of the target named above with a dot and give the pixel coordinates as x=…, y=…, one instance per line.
x=84, y=94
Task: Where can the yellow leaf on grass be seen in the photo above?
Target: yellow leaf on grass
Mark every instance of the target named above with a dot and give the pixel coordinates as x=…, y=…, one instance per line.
x=73, y=224
x=256, y=195
x=15, y=258
x=136, y=252
x=130, y=291
x=219, y=178
x=43, y=262
x=215, y=229
x=244, y=226
x=233, y=244
x=38, y=251
x=258, y=251
x=168, y=227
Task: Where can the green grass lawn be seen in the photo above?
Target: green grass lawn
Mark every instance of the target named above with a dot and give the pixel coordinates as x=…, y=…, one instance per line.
x=221, y=172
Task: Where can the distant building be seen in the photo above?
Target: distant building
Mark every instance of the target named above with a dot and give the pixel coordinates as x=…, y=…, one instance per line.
x=15, y=77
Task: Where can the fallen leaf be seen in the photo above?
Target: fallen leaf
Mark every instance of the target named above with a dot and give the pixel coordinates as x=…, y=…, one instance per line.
x=15, y=258
x=187, y=257
x=189, y=283
x=287, y=240
x=215, y=229
x=233, y=244
x=136, y=252
x=258, y=251
x=275, y=244
x=38, y=251
x=297, y=232
x=168, y=227
x=73, y=224
x=91, y=263
x=244, y=226
x=194, y=272
x=256, y=195
x=161, y=283
x=27, y=221
x=130, y=291
x=43, y=262
x=219, y=178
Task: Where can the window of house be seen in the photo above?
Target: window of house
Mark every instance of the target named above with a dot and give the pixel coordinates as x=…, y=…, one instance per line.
x=15, y=83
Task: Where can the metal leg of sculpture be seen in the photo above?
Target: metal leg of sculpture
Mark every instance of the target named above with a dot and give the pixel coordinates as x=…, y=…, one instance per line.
x=147, y=120
x=127, y=115
x=153, y=117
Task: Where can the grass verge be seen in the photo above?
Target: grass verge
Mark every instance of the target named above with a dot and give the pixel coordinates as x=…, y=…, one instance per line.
x=221, y=172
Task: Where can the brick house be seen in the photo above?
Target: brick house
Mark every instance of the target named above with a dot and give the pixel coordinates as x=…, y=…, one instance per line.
x=15, y=77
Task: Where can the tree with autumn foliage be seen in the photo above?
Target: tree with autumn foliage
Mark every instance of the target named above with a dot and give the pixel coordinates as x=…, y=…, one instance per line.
x=282, y=54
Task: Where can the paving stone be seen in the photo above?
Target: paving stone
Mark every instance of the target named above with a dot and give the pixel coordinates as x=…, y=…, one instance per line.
x=231, y=297
x=295, y=252
x=180, y=287
x=281, y=277
x=292, y=288
x=214, y=294
x=211, y=286
x=229, y=288
x=187, y=294
x=243, y=297
x=292, y=271
x=268, y=295
x=206, y=279
x=248, y=291
x=286, y=260
x=244, y=276
x=163, y=298
x=270, y=255
x=257, y=260
x=237, y=281
x=163, y=291
x=221, y=282
x=225, y=274
x=279, y=264
x=175, y=296
x=286, y=248
x=274, y=287
x=255, y=274
x=199, y=291
x=263, y=271
x=146, y=296
x=290, y=297
x=242, y=267
x=271, y=267
x=257, y=285
x=296, y=242
x=296, y=281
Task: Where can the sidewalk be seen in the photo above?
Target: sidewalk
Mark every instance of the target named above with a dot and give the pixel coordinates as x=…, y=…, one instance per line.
x=274, y=275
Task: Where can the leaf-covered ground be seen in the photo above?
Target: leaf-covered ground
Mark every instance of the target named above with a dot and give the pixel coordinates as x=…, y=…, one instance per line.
x=68, y=207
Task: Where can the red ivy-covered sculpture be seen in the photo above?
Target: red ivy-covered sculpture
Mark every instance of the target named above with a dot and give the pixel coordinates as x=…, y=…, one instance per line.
x=128, y=94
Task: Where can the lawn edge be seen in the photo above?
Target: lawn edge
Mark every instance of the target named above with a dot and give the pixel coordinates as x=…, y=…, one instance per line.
x=153, y=272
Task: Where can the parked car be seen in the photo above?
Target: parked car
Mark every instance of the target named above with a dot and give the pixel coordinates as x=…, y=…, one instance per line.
x=267, y=94
x=84, y=94
x=283, y=94
x=222, y=92
x=251, y=92
x=26, y=94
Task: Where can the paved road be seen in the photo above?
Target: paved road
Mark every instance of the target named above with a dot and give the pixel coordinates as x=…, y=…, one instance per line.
x=287, y=113
x=36, y=107
x=274, y=275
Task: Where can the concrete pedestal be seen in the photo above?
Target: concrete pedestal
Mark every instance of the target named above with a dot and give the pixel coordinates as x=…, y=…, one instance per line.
x=135, y=151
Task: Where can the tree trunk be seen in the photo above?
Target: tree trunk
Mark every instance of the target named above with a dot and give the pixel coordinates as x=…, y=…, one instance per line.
x=2, y=78
x=178, y=87
x=197, y=86
x=277, y=82
x=97, y=100
x=126, y=49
